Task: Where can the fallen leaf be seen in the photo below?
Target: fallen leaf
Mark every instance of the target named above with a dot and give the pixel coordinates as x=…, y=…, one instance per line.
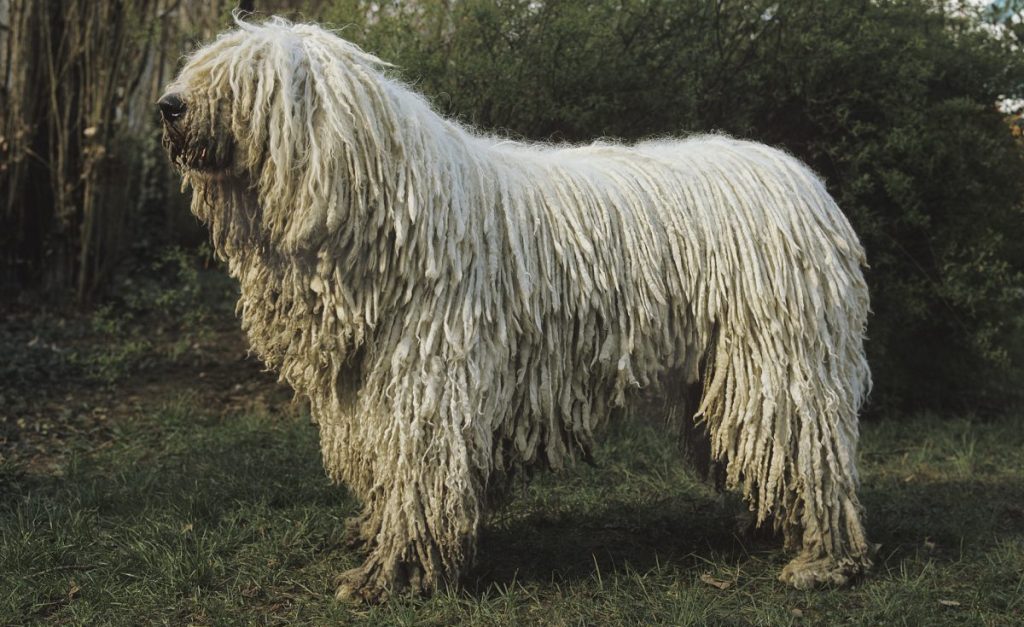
x=721, y=584
x=796, y=611
x=186, y=528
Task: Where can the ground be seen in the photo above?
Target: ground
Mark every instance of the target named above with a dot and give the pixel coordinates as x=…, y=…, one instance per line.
x=173, y=481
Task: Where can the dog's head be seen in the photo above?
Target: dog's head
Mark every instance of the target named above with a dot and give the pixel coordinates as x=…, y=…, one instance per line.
x=293, y=115
x=207, y=111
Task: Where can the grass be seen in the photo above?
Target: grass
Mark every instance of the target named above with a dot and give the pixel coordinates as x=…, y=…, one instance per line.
x=185, y=515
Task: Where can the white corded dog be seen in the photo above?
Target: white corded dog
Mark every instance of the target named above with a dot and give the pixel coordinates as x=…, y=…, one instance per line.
x=457, y=306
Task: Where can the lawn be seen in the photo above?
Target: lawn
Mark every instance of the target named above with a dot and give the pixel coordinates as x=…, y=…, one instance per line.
x=198, y=498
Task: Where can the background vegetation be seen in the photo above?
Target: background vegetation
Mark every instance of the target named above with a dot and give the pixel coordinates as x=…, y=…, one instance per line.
x=894, y=102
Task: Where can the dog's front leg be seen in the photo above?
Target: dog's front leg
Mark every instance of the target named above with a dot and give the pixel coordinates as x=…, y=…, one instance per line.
x=423, y=504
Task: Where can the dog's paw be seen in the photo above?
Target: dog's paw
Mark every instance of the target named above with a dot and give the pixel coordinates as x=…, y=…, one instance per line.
x=359, y=585
x=811, y=571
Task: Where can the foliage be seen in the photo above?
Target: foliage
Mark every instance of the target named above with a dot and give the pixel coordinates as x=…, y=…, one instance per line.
x=893, y=102
x=186, y=516
x=157, y=310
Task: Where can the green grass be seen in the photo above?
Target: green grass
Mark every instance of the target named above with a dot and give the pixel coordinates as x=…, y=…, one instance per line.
x=186, y=517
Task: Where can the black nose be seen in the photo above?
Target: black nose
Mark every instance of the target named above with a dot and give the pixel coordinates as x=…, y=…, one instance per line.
x=172, y=107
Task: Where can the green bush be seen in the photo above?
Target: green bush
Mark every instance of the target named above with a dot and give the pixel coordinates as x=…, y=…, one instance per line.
x=893, y=102
x=157, y=310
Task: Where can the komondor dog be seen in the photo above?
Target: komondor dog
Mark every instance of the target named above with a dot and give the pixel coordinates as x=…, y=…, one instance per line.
x=457, y=307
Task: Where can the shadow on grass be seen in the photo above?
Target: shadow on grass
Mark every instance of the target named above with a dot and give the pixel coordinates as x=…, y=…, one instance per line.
x=940, y=521
x=607, y=541
x=182, y=505
x=928, y=496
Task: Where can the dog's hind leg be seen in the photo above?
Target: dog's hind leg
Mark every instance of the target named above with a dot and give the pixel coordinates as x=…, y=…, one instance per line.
x=820, y=514
x=784, y=429
x=681, y=402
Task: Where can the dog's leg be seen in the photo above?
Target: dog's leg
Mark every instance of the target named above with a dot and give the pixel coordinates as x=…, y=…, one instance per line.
x=824, y=524
x=820, y=514
x=681, y=401
x=423, y=500
x=789, y=446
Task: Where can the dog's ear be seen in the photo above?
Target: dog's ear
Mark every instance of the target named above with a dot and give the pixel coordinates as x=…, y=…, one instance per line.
x=276, y=118
x=319, y=128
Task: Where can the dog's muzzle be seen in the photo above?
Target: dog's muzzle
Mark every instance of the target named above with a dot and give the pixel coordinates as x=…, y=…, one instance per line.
x=200, y=152
x=172, y=108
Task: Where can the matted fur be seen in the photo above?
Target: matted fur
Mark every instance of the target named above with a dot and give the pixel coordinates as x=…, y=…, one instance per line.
x=457, y=306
